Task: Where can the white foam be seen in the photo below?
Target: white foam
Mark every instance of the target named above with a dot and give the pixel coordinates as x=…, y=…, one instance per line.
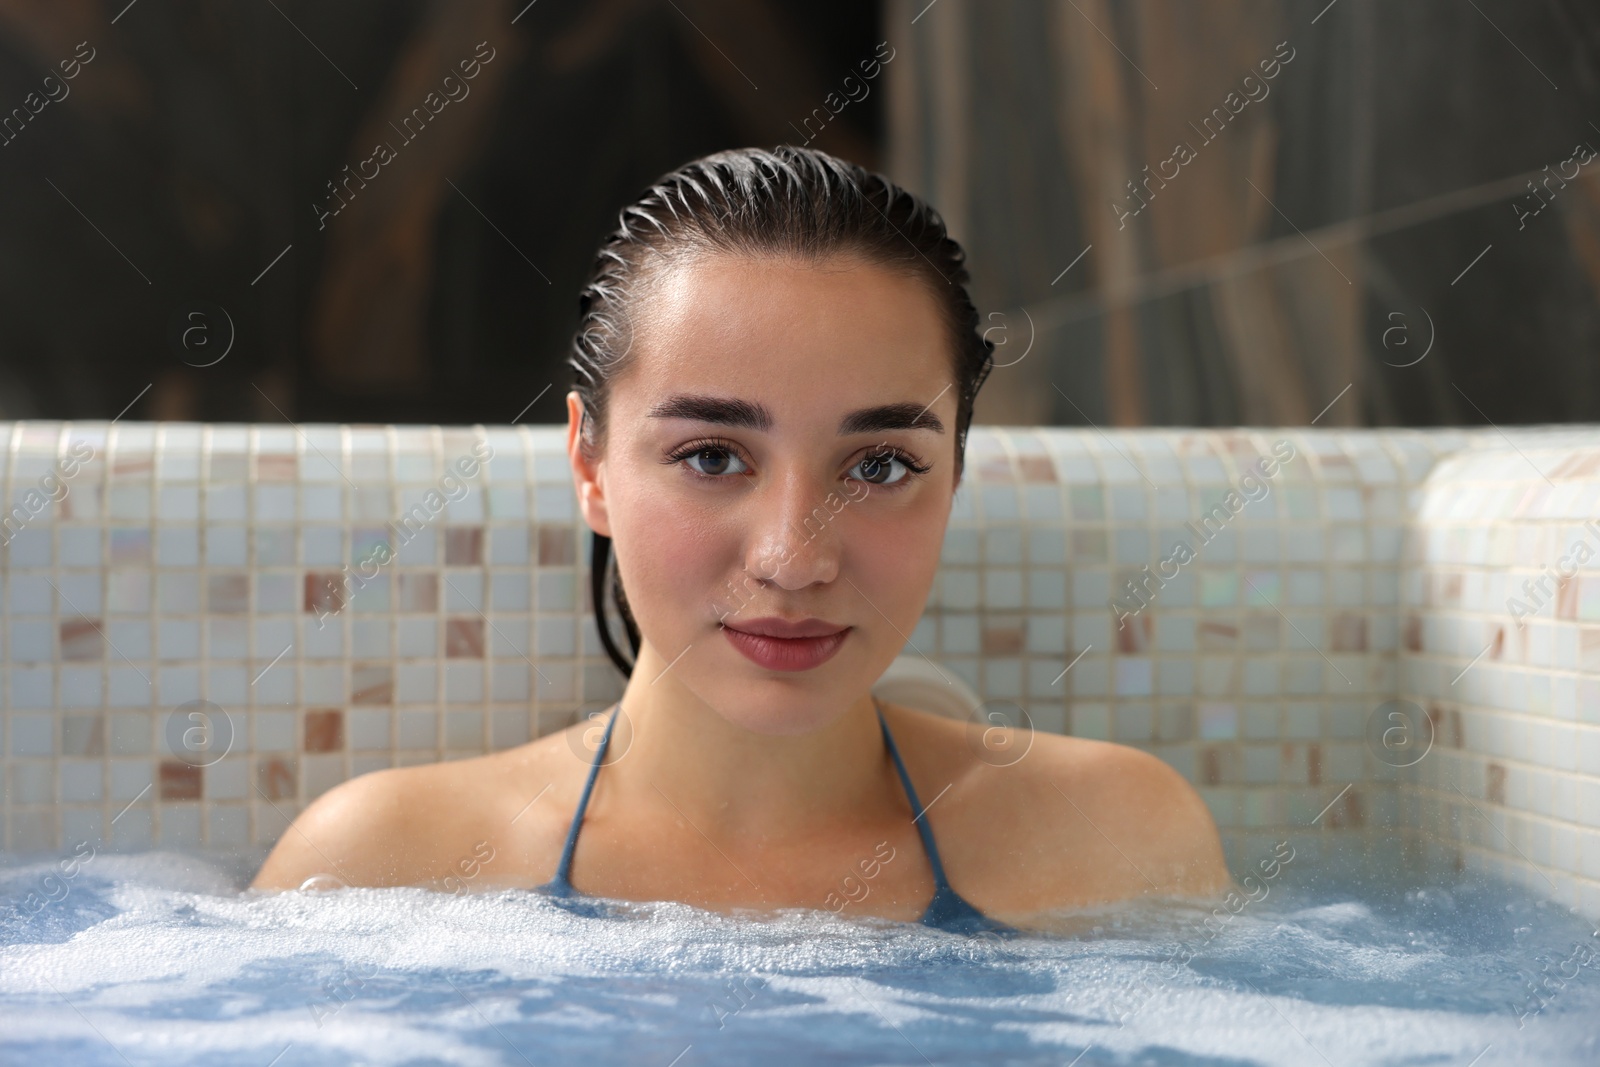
x=141, y=941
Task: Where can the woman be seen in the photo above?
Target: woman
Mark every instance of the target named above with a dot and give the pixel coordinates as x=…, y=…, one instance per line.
x=777, y=361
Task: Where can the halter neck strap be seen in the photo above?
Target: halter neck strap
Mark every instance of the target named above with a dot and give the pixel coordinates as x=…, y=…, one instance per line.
x=918, y=811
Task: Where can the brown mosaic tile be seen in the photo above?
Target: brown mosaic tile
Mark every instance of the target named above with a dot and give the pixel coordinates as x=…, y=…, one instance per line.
x=996, y=469
x=419, y=593
x=324, y=592
x=372, y=683
x=463, y=638
x=324, y=730
x=1436, y=716
x=228, y=594
x=81, y=639
x=1349, y=632
x=463, y=546
x=1567, y=599
x=1313, y=764
x=133, y=465
x=555, y=547
x=1413, y=633
x=1003, y=636
x=1347, y=813
x=275, y=777
x=180, y=781
x=1134, y=636
x=1447, y=726
x=1578, y=465
x=1495, y=783
x=1293, y=764
x=1037, y=469
x=277, y=467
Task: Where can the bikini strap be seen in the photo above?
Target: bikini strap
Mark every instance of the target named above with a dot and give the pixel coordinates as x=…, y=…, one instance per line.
x=561, y=884
x=940, y=883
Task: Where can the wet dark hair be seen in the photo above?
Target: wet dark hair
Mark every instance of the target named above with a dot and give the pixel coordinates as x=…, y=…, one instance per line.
x=786, y=202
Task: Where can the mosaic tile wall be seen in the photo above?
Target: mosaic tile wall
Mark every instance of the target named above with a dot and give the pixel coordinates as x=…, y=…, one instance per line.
x=205, y=627
x=1502, y=650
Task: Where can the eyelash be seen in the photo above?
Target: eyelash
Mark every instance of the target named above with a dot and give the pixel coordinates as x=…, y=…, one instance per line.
x=914, y=467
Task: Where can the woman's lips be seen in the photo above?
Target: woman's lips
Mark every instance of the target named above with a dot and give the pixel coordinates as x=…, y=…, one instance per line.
x=785, y=653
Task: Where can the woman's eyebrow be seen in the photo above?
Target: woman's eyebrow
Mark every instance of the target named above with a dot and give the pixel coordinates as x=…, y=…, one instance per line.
x=891, y=417
x=728, y=411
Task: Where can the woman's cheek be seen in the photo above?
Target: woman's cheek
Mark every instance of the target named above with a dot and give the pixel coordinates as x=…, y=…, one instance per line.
x=675, y=557
x=895, y=546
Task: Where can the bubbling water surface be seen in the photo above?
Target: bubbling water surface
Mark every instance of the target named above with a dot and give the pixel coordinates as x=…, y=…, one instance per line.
x=159, y=958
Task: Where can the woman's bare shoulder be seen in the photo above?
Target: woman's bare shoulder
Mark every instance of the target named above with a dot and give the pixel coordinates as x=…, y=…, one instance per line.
x=1124, y=819
x=404, y=825
x=1072, y=820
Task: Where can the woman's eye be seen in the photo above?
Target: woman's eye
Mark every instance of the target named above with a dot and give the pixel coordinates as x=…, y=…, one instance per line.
x=715, y=461
x=882, y=469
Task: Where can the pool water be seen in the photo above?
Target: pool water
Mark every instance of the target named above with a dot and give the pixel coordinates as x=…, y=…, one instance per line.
x=158, y=958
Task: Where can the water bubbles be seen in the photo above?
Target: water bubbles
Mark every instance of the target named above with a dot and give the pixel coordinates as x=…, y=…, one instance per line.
x=323, y=883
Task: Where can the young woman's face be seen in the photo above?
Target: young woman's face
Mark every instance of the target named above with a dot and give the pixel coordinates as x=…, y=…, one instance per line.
x=776, y=477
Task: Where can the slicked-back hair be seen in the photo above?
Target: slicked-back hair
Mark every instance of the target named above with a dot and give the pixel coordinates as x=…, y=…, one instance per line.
x=788, y=202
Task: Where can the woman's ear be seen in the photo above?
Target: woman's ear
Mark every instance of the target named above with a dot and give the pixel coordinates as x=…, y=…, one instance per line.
x=587, y=474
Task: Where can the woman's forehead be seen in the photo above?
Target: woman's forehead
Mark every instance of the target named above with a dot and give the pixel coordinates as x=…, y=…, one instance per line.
x=836, y=333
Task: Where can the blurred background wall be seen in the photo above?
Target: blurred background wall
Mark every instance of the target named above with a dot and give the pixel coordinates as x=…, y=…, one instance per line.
x=1196, y=212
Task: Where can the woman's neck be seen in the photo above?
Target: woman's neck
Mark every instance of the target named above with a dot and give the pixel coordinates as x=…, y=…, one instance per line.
x=729, y=780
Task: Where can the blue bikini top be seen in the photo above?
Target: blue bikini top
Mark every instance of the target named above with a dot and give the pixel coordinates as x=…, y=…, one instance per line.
x=948, y=910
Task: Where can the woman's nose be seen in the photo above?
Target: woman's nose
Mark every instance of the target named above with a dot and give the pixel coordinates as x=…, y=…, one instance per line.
x=796, y=542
